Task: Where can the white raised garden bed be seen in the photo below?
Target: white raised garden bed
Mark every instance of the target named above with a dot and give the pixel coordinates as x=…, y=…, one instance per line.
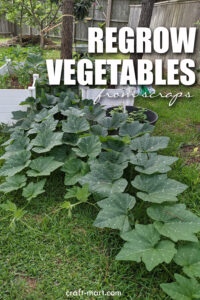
x=10, y=99
x=110, y=97
x=120, y=95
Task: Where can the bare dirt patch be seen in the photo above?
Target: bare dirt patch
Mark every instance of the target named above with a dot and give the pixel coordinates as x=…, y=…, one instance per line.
x=27, y=40
x=197, y=126
x=191, y=153
x=31, y=283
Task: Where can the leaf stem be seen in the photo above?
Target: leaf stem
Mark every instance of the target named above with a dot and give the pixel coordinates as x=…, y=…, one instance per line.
x=92, y=204
x=29, y=227
x=170, y=274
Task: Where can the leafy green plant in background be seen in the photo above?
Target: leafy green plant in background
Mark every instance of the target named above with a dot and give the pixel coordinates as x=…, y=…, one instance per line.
x=81, y=8
x=138, y=115
x=20, y=73
x=24, y=63
x=18, y=53
x=120, y=173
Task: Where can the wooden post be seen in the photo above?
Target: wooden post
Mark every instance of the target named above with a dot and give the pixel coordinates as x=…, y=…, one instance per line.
x=108, y=14
x=67, y=29
x=15, y=30
x=74, y=32
x=145, y=21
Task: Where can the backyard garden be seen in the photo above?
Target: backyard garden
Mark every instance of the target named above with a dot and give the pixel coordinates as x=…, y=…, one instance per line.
x=96, y=200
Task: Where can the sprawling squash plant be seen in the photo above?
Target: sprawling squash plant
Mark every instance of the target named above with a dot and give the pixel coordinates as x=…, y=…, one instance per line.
x=115, y=163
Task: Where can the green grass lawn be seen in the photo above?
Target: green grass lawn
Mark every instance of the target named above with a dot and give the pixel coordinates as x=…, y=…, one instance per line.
x=55, y=254
x=55, y=54
x=181, y=123
x=2, y=40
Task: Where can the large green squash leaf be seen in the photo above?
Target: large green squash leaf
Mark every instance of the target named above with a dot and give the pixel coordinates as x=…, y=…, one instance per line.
x=175, y=222
x=13, y=183
x=46, y=113
x=73, y=111
x=65, y=104
x=153, y=163
x=99, y=130
x=135, y=129
x=88, y=146
x=106, y=171
x=113, y=143
x=115, y=212
x=146, y=143
x=182, y=289
x=74, y=170
x=18, y=133
x=105, y=179
x=157, y=188
x=32, y=190
x=114, y=157
x=143, y=244
x=48, y=100
x=34, y=59
x=75, y=124
x=49, y=123
x=80, y=193
x=60, y=153
x=46, y=140
x=20, y=144
x=70, y=139
x=19, y=115
x=9, y=206
x=15, y=213
x=102, y=189
x=94, y=112
x=188, y=257
x=31, y=101
x=25, y=125
x=113, y=122
x=16, y=163
x=43, y=166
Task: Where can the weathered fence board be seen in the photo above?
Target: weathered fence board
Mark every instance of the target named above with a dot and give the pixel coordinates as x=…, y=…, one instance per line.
x=168, y=13
x=7, y=28
x=171, y=14
x=119, y=17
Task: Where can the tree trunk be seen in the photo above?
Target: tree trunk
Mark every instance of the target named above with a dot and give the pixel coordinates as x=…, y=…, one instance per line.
x=31, y=31
x=14, y=32
x=42, y=38
x=145, y=21
x=20, y=34
x=21, y=24
x=67, y=29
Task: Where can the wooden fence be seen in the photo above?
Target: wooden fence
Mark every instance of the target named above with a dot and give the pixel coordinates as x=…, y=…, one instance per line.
x=119, y=17
x=120, y=13
x=114, y=12
x=171, y=14
x=7, y=28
